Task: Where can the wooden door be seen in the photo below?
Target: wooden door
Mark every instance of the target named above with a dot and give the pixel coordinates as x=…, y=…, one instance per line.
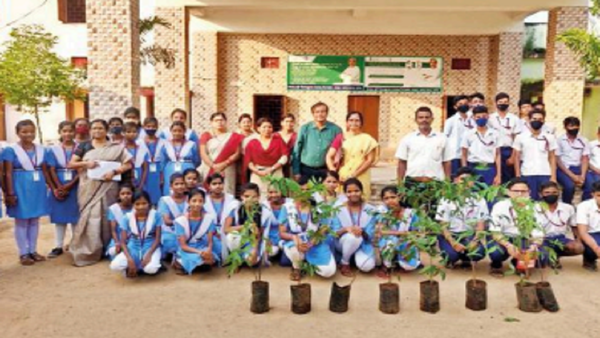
x=368, y=105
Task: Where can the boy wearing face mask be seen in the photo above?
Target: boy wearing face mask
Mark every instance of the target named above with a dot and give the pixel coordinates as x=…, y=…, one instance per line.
x=481, y=149
x=573, y=159
x=525, y=107
x=535, y=159
x=508, y=126
x=115, y=130
x=455, y=128
x=588, y=228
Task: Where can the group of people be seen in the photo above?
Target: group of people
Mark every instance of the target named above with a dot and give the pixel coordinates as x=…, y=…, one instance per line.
x=172, y=197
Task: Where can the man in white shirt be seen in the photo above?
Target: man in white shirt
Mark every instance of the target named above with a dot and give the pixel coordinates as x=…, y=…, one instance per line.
x=572, y=159
x=476, y=99
x=351, y=75
x=593, y=174
x=455, y=128
x=481, y=150
x=508, y=126
x=588, y=228
x=525, y=107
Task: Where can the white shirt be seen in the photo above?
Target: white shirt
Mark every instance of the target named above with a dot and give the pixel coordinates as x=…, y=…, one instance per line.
x=454, y=129
x=534, y=153
x=508, y=126
x=525, y=127
x=588, y=214
x=503, y=220
x=595, y=154
x=570, y=152
x=481, y=148
x=424, y=155
x=464, y=219
x=351, y=75
x=557, y=222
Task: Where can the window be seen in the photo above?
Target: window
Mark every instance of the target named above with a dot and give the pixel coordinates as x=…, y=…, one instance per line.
x=71, y=11
x=269, y=62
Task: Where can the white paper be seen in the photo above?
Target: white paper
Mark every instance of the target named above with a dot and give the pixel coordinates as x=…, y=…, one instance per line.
x=102, y=169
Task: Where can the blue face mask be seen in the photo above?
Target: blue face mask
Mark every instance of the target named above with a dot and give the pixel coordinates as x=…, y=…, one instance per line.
x=481, y=122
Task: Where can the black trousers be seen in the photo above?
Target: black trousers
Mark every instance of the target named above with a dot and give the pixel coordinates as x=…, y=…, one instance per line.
x=318, y=174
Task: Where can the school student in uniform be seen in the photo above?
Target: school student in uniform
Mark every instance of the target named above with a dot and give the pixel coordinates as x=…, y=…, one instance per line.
x=476, y=99
x=508, y=126
x=461, y=223
x=593, y=174
x=525, y=107
x=133, y=115
x=481, y=149
x=169, y=208
x=140, y=239
x=333, y=192
x=355, y=228
x=115, y=130
x=115, y=215
x=195, y=233
x=25, y=168
x=535, y=159
x=455, y=128
x=572, y=159
x=154, y=147
x=274, y=203
x=588, y=228
x=178, y=154
x=219, y=204
x=191, y=177
x=179, y=115
x=139, y=156
x=392, y=233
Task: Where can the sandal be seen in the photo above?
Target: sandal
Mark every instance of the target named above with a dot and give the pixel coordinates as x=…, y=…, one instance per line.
x=590, y=266
x=346, y=270
x=55, y=253
x=178, y=269
x=37, y=257
x=26, y=260
x=295, y=275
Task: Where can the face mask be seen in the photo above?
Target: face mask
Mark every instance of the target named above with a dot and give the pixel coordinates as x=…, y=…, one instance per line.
x=573, y=132
x=536, y=125
x=82, y=129
x=150, y=132
x=116, y=130
x=481, y=122
x=463, y=108
x=503, y=107
x=550, y=199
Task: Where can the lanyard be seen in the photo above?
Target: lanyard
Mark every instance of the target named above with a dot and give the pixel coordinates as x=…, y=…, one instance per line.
x=561, y=224
x=487, y=144
x=64, y=149
x=33, y=159
x=218, y=212
x=135, y=150
x=544, y=139
x=141, y=231
x=576, y=148
x=507, y=126
x=193, y=233
x=358, y=216
x=177, y=153
x=468, y=124
x=150, y=153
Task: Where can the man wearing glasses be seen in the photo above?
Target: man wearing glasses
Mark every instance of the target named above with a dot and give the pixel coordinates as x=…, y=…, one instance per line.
x=573, y=159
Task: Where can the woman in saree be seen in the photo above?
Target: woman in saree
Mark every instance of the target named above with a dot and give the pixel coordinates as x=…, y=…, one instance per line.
x=265, y=155
x=93, y=232
x=220, y=151
x=289, y=136
x=353, y=154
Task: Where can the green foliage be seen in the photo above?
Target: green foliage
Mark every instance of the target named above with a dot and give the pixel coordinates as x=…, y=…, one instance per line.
x=250, y=239
x=152, y=53
x=586, y=46
x=32, y=75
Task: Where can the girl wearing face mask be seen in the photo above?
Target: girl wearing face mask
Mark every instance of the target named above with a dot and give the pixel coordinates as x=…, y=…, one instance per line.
x=115, y=130
x=154, y=147
x=82, y=130
x=178, y=154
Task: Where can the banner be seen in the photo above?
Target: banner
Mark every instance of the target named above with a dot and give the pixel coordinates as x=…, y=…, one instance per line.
x=365, y=73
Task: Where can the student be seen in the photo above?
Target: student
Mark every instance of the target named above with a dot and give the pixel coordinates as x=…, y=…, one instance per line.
x=115, y=130
x=195, y=233
x=140, y=239
x=355, y=228
x=191, y=177
x=139, y=154
x=393, y=233
x=535, y=160
x=508, y=126
x=154, y=147
x=63, y=199
x=593, y=174
x=133, y=115
x=505, y=233
x=274, y=203
x=525, y=107
x=220, y=205
x=178, y=154
x=25, y=168
x=461, y=224
x=261, y=223
x=332, y=194
x=476, y=99
x=557, y=219
x=169, y=208
x=295, y=222
x=481, y=149
x=588, y=228
x=455, y=128
x=82, y=130
x=115, y=215
x=179, y=115
x=573, y=155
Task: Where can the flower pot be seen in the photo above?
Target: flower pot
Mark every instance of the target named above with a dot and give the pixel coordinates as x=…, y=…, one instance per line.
x=527, y=297
x=340, y=295
x=476, y=295
x=430, y=296
x=260, y=297
x=300, y=298
x=389, y=298
x=546, y=296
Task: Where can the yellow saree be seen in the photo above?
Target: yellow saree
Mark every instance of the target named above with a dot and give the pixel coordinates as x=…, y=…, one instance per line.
x=355, y=149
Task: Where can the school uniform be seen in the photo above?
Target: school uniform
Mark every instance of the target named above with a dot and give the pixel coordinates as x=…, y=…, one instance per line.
x=462, y=221
x=455, y=128
x=139, y=156
x=232, y=240
x=67, y=210
x=570, y=154
x=168, y=207
x=588, y=213
x=299, y=224
x=115, y=214
x=176, y=159
x=190, y=135
x=339, y=200
x=591, y=176
x=220, y=211
x=274, y=237
x=547, y=128
x=555, y=225
x=140, y=238
x=535, y=165
x=481, y=153
x=507, y=127
x=407, y=256
x=152, y=184
x=196, y=234
x=361, y=248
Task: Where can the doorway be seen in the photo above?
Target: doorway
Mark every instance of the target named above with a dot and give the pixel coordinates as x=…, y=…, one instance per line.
x=368, y=105
x=270, y=106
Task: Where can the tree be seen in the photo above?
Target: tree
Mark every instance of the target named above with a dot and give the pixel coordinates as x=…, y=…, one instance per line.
x=154, y=54
x=586, y=45
x=32, y=75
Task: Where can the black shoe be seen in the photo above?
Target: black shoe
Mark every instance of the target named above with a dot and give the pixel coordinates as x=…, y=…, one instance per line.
x=55, y=253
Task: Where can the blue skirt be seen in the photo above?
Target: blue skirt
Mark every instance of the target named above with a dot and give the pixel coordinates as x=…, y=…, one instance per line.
x=66, y=211
x=32, y=196
x=168, y=242
x=170, y=170
x=152, y=186
x=190, y=260
x=317, y=255
x=138, y=251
